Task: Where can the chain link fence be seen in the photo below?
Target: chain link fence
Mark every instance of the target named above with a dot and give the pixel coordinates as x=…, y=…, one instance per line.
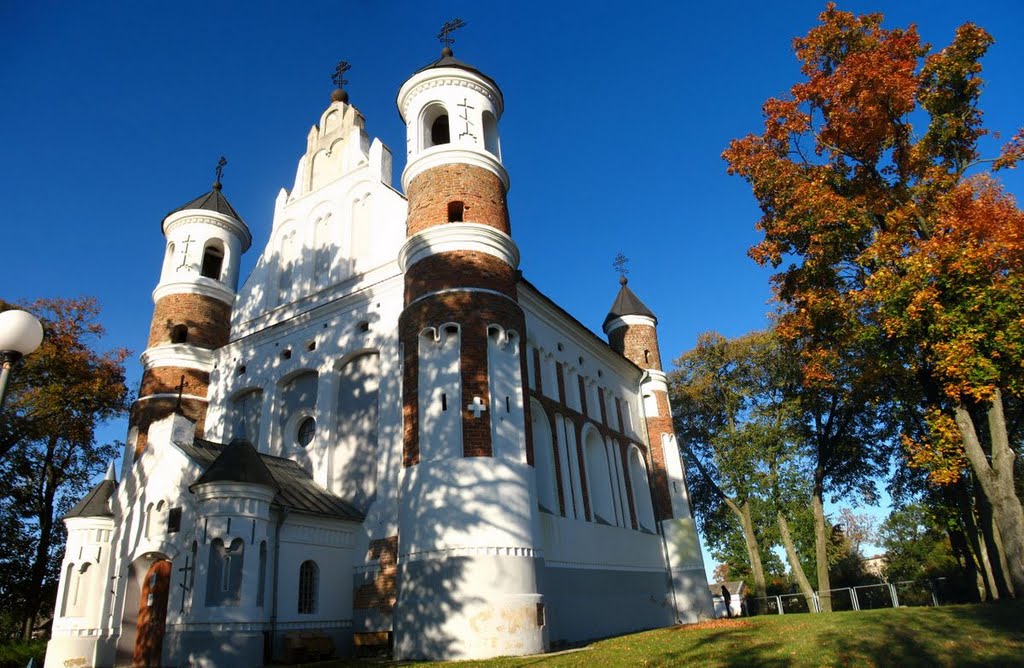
x=903, y=594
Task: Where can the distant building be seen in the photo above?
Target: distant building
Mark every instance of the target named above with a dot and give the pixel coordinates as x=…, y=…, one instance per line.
x=875, y=566
x=386, y=436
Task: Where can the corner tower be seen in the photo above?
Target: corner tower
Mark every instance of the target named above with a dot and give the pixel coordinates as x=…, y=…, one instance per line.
x=467, y=515
x=192, y=314
x=632, y=331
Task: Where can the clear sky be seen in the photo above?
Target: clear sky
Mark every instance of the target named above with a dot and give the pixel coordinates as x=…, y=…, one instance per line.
x=114, y=113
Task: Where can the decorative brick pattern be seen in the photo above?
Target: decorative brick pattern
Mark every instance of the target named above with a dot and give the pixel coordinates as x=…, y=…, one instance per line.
x=166, y=379
x=632, y=341
x=481, y=192
x=208, y=320
x=578, y=420
x=383, y=591
x=473, y=311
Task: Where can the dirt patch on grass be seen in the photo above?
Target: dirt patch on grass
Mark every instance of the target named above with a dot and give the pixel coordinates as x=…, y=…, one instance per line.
x=714, y=624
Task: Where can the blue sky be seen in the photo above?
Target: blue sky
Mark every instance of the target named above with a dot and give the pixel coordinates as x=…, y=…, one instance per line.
x=112, y=114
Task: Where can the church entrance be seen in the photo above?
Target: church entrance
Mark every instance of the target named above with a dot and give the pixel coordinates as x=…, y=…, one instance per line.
x=149, y=638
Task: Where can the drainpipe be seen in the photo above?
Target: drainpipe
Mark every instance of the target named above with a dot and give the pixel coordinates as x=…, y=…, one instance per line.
x=282, y=515
x=650, y=490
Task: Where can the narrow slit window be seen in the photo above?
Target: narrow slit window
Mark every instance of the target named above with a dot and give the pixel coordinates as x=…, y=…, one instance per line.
x=508, y=405
x=444, y=401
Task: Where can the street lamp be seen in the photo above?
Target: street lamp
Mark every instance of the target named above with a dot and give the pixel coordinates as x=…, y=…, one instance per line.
x=20, y=334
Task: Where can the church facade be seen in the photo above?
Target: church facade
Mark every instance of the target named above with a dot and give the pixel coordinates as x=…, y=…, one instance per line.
x=386, y=437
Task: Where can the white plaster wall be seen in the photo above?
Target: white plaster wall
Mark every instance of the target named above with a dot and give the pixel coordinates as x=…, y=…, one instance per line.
x=190, y=231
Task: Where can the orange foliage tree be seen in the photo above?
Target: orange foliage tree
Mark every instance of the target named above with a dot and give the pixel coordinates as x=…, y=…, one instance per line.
x=894, y=237
x=57, y=398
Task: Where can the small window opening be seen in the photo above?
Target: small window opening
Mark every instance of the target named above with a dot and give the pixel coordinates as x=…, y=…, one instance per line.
x=581, y=360
x=560, y=347
x=540, y=614
x=307, y=429
x=647, y=357
x=508, y=405
x=439, y=133
x=213, y=260
x=451, y=330
x=311, y=346
x=600, y=373
x=241, y=370
x=455, y=211
x=444, y=401
x=363, y=326
x=174, y=520
x=225, y=574
x=179, y=334
x=286, y=353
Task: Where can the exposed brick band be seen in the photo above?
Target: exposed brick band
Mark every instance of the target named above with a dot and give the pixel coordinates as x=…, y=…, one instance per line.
x=481, y=192
x=208, y=320
x=638, y=344
x=145, y=413
x=383, y=591
x=459, y=269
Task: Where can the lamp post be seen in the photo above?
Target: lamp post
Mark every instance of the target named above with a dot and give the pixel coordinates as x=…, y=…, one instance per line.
x=20, y=334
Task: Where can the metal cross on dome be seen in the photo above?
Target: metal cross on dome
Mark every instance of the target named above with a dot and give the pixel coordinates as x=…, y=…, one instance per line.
x=339, y=73
x=448, y=28
x=220, y=168
x=620, y=264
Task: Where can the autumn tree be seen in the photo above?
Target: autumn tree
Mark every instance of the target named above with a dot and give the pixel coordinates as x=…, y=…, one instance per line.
x=56, y=401
x=893, y=239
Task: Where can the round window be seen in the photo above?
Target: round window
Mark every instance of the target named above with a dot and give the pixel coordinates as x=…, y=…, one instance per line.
x=307, y=428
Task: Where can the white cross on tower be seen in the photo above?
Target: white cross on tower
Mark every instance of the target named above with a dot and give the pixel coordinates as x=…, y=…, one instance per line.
x=477, y=407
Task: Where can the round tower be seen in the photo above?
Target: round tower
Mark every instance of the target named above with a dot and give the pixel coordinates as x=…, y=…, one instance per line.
x=467, y=515
x=192, y=315
x=632, y=331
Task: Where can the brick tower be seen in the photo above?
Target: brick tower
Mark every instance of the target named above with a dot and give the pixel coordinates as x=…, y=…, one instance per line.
x=467, y=515
x=192, y=313
x=632, y=331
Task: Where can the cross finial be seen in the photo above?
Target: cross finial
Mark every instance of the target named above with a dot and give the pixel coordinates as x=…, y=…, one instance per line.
x=339, y=73
x=446, y=32
x=620, y=266
x=219, y=171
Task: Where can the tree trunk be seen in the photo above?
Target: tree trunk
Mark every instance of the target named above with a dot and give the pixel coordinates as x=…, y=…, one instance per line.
x=992, y=544
x=997, y=483
x=968, y=565
x=821, y=542
x=41, y=559
x=794, y=561
x=990, y=593
x=756, y=568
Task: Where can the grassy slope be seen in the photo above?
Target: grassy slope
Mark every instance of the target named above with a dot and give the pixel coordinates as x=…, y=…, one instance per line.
x=967, y=635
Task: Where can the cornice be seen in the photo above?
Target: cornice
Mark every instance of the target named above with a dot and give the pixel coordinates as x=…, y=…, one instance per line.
x=179, y=355
x=447, y=76
x=224, y=222
x=625, y=320
x=458, y=237
x=200, y=285
x=453, y=154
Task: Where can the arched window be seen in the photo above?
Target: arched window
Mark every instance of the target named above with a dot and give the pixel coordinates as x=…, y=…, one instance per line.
x=309, y=577
x=641, y=490
x=169, y=259
x=213, y=259
x=599, y=482
x=179, y=334
x=434, y=124
x=224, y=575
x=491, y=143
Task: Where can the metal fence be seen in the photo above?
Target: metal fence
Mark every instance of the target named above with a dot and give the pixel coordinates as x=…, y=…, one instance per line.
x=862, y=597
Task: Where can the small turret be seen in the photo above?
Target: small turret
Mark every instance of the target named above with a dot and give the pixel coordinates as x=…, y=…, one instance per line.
x=191, y=317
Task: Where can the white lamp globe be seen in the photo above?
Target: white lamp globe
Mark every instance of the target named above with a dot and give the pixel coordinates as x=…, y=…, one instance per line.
x=20, y=332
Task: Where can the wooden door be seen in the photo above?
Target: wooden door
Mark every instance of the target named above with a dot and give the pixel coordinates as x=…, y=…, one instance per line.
x=149, y=638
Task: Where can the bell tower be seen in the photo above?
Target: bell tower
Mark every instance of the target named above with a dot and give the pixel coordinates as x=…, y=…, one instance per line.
x=466, y=510
x=192, y=310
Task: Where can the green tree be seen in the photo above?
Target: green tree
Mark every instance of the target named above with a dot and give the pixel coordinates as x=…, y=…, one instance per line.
x=57, y=399
x=916, y=545
x=898, y=260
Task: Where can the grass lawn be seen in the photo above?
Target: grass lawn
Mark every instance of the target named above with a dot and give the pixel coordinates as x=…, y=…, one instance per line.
x=960, y=635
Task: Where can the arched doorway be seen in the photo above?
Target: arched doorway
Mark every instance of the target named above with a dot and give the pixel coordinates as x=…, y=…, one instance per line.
x=149, y=638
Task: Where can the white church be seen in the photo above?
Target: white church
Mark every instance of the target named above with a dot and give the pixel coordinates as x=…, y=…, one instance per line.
x=386, y=439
